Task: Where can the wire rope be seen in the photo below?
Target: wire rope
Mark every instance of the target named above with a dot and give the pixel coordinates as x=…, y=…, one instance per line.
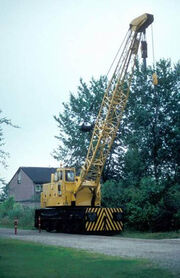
x=152, y=38
x=117, y=54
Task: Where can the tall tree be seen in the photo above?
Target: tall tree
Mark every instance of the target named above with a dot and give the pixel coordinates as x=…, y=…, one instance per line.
x=144, y=161
x=147, y=140
x=81, y=109
x=151, y=127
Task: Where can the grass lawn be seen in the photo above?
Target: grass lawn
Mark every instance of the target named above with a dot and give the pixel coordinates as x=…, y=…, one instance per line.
x=11, y=226
x=29, y=260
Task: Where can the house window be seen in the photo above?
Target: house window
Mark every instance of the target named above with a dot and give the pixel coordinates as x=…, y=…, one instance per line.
x=19, y=178
x=38, y=188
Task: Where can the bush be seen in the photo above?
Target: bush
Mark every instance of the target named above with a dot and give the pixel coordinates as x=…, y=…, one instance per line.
x=150, y=206
x=6, y=206
x=9, y=210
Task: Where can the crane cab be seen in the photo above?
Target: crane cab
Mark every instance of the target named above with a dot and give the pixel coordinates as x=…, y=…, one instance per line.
x=61, y=190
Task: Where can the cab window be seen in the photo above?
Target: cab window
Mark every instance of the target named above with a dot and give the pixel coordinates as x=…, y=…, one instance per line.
x=56, y=176
x=70, y=175
x=60, y=175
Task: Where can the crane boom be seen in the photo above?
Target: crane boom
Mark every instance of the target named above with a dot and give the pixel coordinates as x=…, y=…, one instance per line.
x=71, y=203
x=113, y=104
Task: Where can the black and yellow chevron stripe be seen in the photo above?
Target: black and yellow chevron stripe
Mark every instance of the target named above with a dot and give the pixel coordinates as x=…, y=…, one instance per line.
x=104, y=220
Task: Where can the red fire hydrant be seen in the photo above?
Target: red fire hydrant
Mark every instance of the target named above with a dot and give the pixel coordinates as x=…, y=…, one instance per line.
x=39, y=223
x=15, y=226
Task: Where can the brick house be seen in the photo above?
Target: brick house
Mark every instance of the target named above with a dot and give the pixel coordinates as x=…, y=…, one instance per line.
x=26, y=184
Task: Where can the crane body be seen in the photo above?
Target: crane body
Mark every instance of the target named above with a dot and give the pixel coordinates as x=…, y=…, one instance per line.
x=71, y=203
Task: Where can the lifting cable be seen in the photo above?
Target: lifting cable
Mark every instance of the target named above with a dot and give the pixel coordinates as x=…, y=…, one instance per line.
x=117, y=54
x=154, y=76
x=87, y=128
x=152, y=39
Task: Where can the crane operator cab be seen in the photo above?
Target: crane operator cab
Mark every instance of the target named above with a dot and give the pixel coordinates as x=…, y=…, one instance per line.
x=61, y=190
x=58, y=192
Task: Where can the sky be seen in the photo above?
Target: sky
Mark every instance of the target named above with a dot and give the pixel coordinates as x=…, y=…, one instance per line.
x=48, y=45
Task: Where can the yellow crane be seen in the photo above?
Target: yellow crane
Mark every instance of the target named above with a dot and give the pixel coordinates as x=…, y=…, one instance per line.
x=71, y=203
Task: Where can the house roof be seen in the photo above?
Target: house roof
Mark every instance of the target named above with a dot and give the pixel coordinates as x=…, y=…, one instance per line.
x=38, y=174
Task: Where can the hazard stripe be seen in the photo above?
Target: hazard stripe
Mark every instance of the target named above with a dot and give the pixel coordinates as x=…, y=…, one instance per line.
x=109, y=220
x=100, y=212
x=117, y=222
x=87, y=221
x=108, y=212
x=90, y=223
x=112, y=211
x=102, y=223
x=93, y=223
x=117, y=210
x=108, y=225
x=120, y=222
x=100, y=226
x=113, y=222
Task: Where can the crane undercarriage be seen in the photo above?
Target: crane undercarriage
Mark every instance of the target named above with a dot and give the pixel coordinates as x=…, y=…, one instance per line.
x=84, y=220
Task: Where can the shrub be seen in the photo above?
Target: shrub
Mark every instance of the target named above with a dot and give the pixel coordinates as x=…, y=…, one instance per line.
x=9, y=210
x=6, y=206
x=149, y=206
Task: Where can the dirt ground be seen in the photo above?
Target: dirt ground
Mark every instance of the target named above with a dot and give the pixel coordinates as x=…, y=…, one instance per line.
x=164, y=252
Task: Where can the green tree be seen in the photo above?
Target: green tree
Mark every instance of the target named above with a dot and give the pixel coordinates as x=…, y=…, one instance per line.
x=82, y=108
x=150, y=206
x=147, y=141
x=3, y=155
x=145, y=154
x=148, y=175
x=150, y=130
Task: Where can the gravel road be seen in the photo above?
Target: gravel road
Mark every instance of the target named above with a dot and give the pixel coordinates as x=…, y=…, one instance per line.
x=165, y=252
